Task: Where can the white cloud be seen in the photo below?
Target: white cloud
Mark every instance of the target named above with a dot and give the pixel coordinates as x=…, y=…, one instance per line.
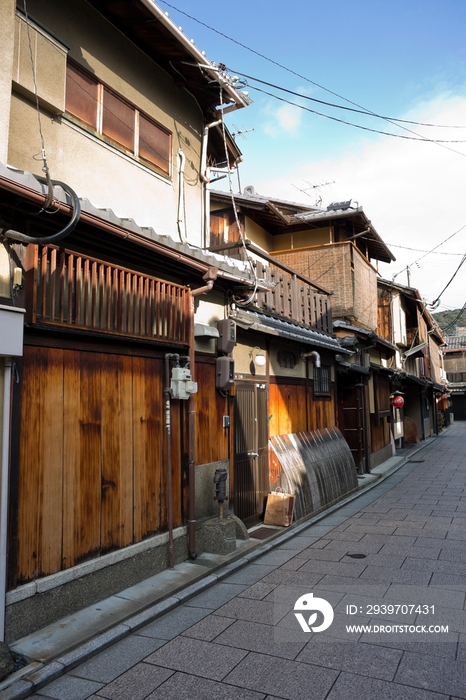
x=413, y=192
x=286, y=119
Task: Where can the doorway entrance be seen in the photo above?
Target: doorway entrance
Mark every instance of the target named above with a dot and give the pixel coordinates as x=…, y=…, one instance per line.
x=251, y=478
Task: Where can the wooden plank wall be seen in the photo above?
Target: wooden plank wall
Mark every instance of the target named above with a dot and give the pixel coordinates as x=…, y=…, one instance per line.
x=92, y=465
x=212, y=440
x=293, y=408
x=380, y=433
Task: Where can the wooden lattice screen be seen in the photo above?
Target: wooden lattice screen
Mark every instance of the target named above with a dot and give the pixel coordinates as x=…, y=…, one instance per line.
x=70, y=289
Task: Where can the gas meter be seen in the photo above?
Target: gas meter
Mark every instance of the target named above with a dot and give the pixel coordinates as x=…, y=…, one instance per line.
x=181, y=384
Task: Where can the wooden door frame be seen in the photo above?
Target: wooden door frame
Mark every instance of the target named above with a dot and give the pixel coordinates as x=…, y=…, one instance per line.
x=259, y=460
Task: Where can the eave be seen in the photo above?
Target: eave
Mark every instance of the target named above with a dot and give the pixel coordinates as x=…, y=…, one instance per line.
x=152, y=31
x=279, y=216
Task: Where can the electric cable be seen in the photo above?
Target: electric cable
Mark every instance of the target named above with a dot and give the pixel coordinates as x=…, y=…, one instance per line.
x=289, y=70
x=429, y=252
x=417, y=250
x=441, y=142
x=436, y=301
x=455, y=320
x=348, y=109
x=45, y=167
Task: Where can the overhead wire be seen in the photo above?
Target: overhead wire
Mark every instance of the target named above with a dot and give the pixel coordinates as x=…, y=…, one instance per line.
x=441, y=142
x=303, y=77
x=348, y=109
x=439, y=244
x=417, y=250
x=455, y=320
x=45, y=167
x=436, y=301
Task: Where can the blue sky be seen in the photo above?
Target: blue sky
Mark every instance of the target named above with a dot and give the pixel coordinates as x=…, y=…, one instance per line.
x=398, y=59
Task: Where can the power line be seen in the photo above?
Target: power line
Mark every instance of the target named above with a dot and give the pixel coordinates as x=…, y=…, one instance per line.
x=348, y=109
x=359, y=126
x=453, y=323
x=436, y=301
x=302, y=77
x=440, y=244
x=417, y=250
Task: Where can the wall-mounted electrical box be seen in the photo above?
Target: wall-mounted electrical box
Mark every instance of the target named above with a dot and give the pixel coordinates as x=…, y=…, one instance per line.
x=181, y=383
x=227, y=335
x=225, y=373
x=12, y=325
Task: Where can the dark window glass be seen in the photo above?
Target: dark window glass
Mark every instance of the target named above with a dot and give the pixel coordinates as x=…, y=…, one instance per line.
x=321, y=380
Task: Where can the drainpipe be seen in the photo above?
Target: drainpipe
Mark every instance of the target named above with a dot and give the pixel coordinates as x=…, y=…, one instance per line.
x=168, y=395
x=4, y=490
x=180, y=219
x=205, y=176
x=210, y=277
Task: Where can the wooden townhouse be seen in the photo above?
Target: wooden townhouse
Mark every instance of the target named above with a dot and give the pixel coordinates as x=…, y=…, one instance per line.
x=417, y=367
x=288, y=323
x=127, y=266
x=454, y=359
x=105, y=255
x=337, y=248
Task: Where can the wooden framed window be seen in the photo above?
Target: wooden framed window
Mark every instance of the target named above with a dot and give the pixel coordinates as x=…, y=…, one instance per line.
x=118, y=120
x=110, y=115
x=322, y=380
x=154, y=143
x=81, y=96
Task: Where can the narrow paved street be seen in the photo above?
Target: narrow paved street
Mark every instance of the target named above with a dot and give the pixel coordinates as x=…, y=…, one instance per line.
x=393, y=560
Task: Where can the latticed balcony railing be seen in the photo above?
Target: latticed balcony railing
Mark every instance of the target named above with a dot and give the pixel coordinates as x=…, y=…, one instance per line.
x=73, y=290
x=292, y=298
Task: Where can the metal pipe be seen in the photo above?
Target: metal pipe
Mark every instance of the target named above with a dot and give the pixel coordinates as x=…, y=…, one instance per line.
x=315, y=355
x=4, y=490
x=205, y=178
x=168, y=394
x=192, y=424
x=180, y=219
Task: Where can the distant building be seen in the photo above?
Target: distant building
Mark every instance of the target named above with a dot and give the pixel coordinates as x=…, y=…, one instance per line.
x=455, y=368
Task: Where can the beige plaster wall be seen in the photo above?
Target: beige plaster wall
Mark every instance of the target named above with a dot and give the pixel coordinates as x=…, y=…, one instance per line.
x=257, y=234
x=7, y=23
x=243, y=359
x=97, y=171
x=302, y=239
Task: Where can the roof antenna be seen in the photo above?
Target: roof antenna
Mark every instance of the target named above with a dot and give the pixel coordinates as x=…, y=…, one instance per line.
x=241, y=132
x=314, y=186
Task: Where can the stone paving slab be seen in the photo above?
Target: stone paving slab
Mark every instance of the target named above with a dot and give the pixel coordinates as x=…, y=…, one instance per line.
x=117, y=659
x=363, y=659
x=285, y=678
x=349, y=686
x=180, y=686
x=197, y=657
x=433, y=673
x=238, y=640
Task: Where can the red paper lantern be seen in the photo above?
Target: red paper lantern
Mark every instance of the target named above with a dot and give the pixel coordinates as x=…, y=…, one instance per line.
x=398, y=401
